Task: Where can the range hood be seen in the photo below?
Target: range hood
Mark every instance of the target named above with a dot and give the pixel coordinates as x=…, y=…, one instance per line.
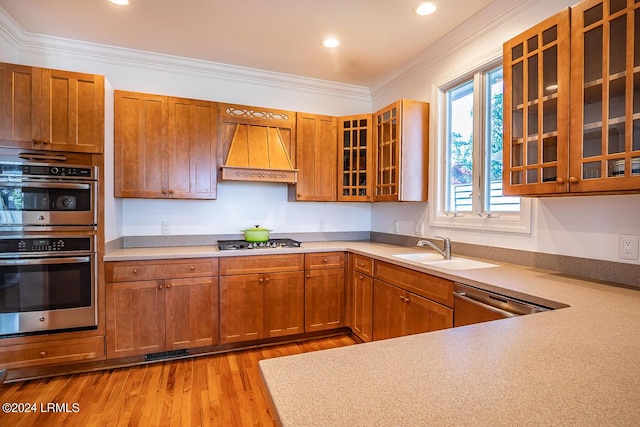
x=258, y=153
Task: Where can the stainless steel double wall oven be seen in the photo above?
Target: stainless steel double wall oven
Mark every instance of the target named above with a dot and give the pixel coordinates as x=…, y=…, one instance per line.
x=48, y=252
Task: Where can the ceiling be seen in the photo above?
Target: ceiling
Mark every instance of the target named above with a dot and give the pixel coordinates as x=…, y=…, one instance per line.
x=285, y=36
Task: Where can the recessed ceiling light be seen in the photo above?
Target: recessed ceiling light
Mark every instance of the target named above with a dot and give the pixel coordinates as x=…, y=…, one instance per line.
x=330, y=42
x=120, y=2
x=425, y=8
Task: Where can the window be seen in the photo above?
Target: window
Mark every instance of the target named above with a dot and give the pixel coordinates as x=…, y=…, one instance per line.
x=469, y=189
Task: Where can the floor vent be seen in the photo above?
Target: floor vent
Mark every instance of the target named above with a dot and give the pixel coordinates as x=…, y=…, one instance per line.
x=166, y=354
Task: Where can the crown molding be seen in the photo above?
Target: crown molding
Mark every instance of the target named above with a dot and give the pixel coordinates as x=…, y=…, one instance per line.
x=481, y=23
x=25, y=42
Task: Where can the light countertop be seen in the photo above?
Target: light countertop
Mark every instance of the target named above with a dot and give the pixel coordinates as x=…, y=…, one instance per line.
x=578, y=365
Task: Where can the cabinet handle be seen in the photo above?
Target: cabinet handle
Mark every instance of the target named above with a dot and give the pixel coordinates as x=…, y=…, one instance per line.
x=135, y=271
x=573, y=180
x=43, y=353
x=560, y=181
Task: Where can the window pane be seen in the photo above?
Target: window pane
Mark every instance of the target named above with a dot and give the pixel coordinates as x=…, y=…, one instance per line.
x=494, y=200
x=460, y=147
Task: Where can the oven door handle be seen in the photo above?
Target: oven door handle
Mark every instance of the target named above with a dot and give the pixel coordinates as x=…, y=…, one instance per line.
x=45, y=261
x=37, y=184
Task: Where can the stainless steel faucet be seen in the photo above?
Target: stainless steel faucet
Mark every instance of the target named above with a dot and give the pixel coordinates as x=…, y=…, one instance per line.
x=446, y=253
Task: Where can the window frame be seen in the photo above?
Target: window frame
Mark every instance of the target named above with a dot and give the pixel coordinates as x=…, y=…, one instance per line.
x=510, y=222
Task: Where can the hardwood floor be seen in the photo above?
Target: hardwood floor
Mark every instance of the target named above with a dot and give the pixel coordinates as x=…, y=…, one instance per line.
x=220, y=390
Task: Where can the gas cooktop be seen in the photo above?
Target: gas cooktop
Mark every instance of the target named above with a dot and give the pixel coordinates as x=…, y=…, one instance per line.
x=230, y=245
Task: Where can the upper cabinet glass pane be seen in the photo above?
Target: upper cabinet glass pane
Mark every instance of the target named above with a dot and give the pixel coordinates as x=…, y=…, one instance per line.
x=593, y=15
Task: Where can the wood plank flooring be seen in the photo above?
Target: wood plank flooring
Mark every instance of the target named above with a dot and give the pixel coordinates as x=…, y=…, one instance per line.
x=220, y=390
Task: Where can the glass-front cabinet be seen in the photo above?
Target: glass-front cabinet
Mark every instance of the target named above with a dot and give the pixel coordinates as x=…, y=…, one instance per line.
x=536, y=109
x=605, y=79
x=581, y=134
x=355, y=165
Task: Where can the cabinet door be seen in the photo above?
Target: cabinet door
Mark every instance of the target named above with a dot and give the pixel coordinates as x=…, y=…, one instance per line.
x=192, y=136
x=20, y=114
x=355, y=158
x=191, y=312
x=362, y=306
x=284, y=303
x=389, y=311
x=387, y=153
x=605, y=96
x=140, y=143
x=426, y=316
x=316, y=158
x=241, y=308
x=135, y=313
x=536, y=109
x=72, y=111
x=324, y=299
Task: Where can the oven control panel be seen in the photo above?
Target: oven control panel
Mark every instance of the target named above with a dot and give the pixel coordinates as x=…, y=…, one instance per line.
x=48, y=244
x=45, y=170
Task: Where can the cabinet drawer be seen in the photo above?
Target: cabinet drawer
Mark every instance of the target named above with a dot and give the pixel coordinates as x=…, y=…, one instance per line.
x=431, y=287
x=261, y=264
x=52, y=352
x=363, y=264
x=314, y=261
x=125, y=271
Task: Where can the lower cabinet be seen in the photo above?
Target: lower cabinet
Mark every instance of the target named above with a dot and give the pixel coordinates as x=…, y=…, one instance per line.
x=52, y=352
x=160, y=305
x=267, y=301
x=398, y=313
x=324, y=291
x=360, y=307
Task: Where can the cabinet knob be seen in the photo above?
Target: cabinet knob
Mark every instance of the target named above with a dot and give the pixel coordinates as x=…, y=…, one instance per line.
x=34, y=141
x=361, y=277
x=560, y=181
x=44, y=141
x=159, y=286
x=43, y=353
x=325, y=260
x=362, y=264
x=266, y=280
x=164, y=191
x=170, y=191
x=308, y=276
x=168, y=286
x=192, y=268
x=135, y=271
x=260, y=280
x=573, y=180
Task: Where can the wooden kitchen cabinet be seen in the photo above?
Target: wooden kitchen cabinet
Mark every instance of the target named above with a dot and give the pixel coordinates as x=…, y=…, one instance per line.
x=261, y=296
x=316, y=158
x=401, y=135
x=52, y=352
x=324, y=291
x=397, y=313
x=355, y=158
x=160, y=305
x=165, y=147
x=360, y=297
x=52, y=110
x=572, y=115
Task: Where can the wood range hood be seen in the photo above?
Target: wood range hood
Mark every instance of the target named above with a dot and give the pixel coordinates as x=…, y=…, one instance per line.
x=256, y=143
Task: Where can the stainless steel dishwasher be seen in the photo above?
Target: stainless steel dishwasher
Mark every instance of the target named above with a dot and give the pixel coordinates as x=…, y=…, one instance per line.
x=473, y=305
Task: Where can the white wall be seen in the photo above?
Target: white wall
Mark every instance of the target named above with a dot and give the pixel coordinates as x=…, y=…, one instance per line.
x=586, y=226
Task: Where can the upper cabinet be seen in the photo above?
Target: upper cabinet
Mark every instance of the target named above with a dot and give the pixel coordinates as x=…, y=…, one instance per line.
x=165, y=147
x=54, y=110
x=572, y=102
x=355, y=158
x=316, y=159
x=401, y=135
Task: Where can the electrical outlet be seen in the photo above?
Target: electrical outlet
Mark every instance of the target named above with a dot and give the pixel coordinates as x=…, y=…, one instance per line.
x=166, y=227
x=418, y=229
x=321, y=225
x=396, y=227
x=628, y=246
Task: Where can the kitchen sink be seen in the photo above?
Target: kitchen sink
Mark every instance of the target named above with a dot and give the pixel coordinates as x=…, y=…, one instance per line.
x=436, y=260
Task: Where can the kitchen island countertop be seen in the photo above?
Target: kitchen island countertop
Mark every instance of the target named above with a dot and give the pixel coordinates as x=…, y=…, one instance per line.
x=578, y=365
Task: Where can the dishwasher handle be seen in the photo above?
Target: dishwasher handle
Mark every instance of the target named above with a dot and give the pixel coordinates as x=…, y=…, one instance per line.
x=497, y=310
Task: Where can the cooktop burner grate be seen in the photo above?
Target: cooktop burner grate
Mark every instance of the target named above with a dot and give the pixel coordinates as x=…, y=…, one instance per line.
x=229, y=245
